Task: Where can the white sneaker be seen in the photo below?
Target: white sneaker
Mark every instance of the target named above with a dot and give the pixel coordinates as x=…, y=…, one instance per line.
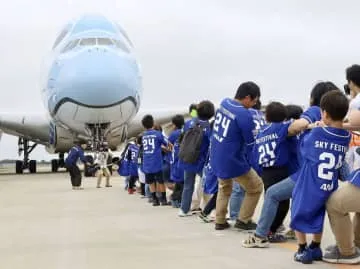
x=182, y=214
x=255, y=242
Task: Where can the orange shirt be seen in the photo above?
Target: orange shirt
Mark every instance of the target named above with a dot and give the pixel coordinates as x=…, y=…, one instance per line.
x=355, y=140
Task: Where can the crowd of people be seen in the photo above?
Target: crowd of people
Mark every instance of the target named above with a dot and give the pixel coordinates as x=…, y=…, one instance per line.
x=221, y=160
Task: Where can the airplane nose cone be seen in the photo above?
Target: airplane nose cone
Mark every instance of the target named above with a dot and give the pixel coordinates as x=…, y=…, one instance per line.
x=98, y=77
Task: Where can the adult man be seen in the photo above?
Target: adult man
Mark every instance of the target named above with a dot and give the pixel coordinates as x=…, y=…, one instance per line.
x=76, y=152
x=231, y=144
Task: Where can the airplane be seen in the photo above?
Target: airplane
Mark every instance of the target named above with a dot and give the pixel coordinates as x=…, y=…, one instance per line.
x=91, y=89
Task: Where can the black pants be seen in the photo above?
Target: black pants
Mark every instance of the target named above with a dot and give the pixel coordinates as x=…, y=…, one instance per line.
x=132, y=181
x=75, y=175
x=270, y=177
x=177, y=193
x=142, y=185
x=211, y=205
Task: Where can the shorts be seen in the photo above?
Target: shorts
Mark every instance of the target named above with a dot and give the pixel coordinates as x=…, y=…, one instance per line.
x=154, y=178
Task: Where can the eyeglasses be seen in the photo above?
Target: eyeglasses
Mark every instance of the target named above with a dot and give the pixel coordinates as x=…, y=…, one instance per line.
x=347, y=89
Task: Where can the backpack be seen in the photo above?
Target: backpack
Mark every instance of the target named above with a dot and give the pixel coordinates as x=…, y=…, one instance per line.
x=190, y=144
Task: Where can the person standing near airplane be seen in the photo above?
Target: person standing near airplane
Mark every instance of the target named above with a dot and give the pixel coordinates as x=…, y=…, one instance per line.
x=76, y=153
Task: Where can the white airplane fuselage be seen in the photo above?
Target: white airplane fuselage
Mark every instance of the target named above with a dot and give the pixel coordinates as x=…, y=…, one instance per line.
x=92, y=80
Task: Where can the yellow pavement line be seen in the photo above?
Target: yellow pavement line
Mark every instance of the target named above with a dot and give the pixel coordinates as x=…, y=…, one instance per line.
x=294, y=247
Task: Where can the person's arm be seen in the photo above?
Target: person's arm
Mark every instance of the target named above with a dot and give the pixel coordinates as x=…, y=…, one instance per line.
x=353, y=123
x=247, y=126
x=297, y=126
x=82, y=157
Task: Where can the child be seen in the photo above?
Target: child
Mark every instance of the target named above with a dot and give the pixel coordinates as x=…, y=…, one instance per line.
x=322, y=150
x=152, y=141
x=176, y=174
x=133, y=152
x=101, y=161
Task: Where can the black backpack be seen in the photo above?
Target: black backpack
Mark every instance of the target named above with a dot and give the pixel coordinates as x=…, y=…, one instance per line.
x=190, y=144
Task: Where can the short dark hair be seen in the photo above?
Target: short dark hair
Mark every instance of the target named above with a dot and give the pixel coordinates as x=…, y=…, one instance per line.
x=139, y=139
x=192, y=107
x=319, y=90
x=205, y=110
x=247, y=89
x=178, y=121
x=257, y=106
x=81, y=142
x=293, y=112
x=148, y=121
x=275, y=112
x=353, y=74
x=335, y=104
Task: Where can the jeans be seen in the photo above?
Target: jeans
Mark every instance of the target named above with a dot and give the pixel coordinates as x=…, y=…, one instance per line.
x=186, y=198
x=236, y=198
x=147, y=191
x=273, y=196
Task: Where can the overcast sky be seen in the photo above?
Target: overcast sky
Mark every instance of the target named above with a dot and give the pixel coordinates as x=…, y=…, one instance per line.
x=189, y=49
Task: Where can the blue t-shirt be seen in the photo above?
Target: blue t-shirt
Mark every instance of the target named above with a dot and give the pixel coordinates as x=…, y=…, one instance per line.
x=133, y=152
x=232, y=140
x=75, y=153
x=176, y=173
x=323, y=151
x=271, y=145
x=258, y=118
x=312, y=115
x=204, y=148
x=152, y=141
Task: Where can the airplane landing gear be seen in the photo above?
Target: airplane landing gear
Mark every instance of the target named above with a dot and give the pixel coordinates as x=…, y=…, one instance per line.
x=98, y=144
x=26, y=148
x=57, y=163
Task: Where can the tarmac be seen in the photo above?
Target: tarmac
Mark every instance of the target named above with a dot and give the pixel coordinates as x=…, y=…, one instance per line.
x=47, y=225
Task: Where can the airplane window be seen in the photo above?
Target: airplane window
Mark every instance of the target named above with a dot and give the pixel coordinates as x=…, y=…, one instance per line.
x=72, y=44
x=121, y=46
x=105, y=42
x=88, y=42
x=122, y=31
x=61, y=37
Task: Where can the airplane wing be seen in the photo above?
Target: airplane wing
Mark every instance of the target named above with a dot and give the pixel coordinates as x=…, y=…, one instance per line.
x=161, y=116
x=34, y=127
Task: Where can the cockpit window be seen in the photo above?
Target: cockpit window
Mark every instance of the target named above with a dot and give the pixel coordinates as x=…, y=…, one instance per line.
x=122, y=46
x=96, y=41
x=105, y=42
x=88, y=42
x=61, y=36
x=122, y=31
x=72, y=44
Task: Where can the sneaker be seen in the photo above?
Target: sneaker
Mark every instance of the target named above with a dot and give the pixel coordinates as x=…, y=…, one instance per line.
x=205, y=218
x=156, y=202
x=281, y=229
x=254, y=241
x=303, y=256
x=175, y=204
x=150, y=200
x=183, y=214
x=276, y=238
x=222, y=226
x=165, y=203
x=290, y=235
x=330, y=248
x=131, y=191
x=196, y=210
x=334, y=256
x=250, y=226
x=316, y=254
